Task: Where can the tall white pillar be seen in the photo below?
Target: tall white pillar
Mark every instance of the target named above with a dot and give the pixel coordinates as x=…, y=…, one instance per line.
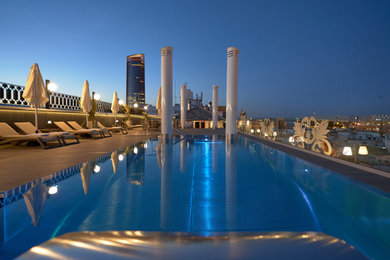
x=183, y=107
x=166, y=92
x=231, y=92
x=215, y=106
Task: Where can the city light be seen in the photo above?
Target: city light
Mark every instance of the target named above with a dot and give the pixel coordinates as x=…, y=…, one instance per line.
x=258, y=131
x=291, y=139
x=120, y=102
x=49, y=122
x=135, y=150
x=52, y=87
x=252, y=131
x=135, y=105
x=145, y=107
x=120, y=157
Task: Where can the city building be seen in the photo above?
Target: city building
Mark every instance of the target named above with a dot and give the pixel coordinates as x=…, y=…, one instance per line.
x=135, y=80
x=191, y=101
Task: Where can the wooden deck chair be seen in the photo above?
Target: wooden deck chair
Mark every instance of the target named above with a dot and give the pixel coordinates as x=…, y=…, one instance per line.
x=29, y=128
x=112, y=128
x=91, y=132
x=76, y=126
x=9, y=135
x=130, y=126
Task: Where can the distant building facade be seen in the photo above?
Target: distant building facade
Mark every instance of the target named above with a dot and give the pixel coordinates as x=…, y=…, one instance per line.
x=135, y=80
x=193, y=102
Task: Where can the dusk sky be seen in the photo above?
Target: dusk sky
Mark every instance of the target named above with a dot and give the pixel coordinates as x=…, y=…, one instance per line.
x=296, y=57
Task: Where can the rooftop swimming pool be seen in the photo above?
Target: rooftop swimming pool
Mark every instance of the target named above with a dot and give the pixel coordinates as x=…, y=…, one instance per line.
x=196, y=184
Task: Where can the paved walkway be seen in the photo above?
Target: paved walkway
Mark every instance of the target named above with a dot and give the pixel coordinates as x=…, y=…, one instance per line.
x=20, y=165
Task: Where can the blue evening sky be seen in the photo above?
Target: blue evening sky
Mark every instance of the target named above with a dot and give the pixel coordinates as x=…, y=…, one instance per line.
x=296, y=57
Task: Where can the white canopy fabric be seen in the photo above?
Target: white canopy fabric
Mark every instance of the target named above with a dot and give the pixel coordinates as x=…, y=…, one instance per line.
x=158, y=104
x=85, y=101
x=115, y=104
x=35, y=92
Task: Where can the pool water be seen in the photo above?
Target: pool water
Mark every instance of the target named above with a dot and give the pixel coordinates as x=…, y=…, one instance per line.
x=201, y=185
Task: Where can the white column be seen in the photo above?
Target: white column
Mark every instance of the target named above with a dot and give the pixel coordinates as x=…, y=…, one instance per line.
x=231, y=92
x=166, y=91
x=215, y=106
x=183, y=106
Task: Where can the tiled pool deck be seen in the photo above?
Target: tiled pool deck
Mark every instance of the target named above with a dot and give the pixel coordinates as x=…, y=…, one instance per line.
x=20, y=165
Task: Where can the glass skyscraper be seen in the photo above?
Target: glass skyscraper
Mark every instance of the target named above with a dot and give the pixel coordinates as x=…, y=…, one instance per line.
x=135, y=81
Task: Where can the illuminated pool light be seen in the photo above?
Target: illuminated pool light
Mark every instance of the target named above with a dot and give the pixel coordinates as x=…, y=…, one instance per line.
x=53, y=190
x=96, y=169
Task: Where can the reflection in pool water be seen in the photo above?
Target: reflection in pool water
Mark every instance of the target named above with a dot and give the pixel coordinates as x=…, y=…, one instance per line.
x=194, y=185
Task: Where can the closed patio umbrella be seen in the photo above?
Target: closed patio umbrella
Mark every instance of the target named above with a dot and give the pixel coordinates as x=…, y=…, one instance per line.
x=35, y=92
x=85, y=102
x=158, y=104
x=115, y=105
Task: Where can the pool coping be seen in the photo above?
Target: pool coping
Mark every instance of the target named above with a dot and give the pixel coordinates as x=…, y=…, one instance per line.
x=370, y=176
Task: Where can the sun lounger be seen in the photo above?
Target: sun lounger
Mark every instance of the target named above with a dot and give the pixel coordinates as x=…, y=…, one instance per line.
x=91, y=132
x=76, y=126
x=129, y=126
x=112, y=128
x=29, y=128
x=9, y=135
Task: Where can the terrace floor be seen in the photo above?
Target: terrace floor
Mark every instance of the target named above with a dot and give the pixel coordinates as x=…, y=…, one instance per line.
x=21, y=164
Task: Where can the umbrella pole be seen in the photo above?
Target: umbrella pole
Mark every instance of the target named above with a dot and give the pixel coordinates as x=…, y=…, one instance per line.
x=36, y=120
x=86, y=119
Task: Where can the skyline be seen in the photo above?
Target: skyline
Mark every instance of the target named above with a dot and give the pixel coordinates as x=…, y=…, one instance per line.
x=296, y=58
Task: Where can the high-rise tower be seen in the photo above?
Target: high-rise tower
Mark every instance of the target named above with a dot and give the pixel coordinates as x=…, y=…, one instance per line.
x=135, y=80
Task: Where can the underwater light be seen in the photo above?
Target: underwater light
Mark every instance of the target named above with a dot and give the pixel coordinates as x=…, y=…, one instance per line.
x=53, y=190
x=96, y=169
